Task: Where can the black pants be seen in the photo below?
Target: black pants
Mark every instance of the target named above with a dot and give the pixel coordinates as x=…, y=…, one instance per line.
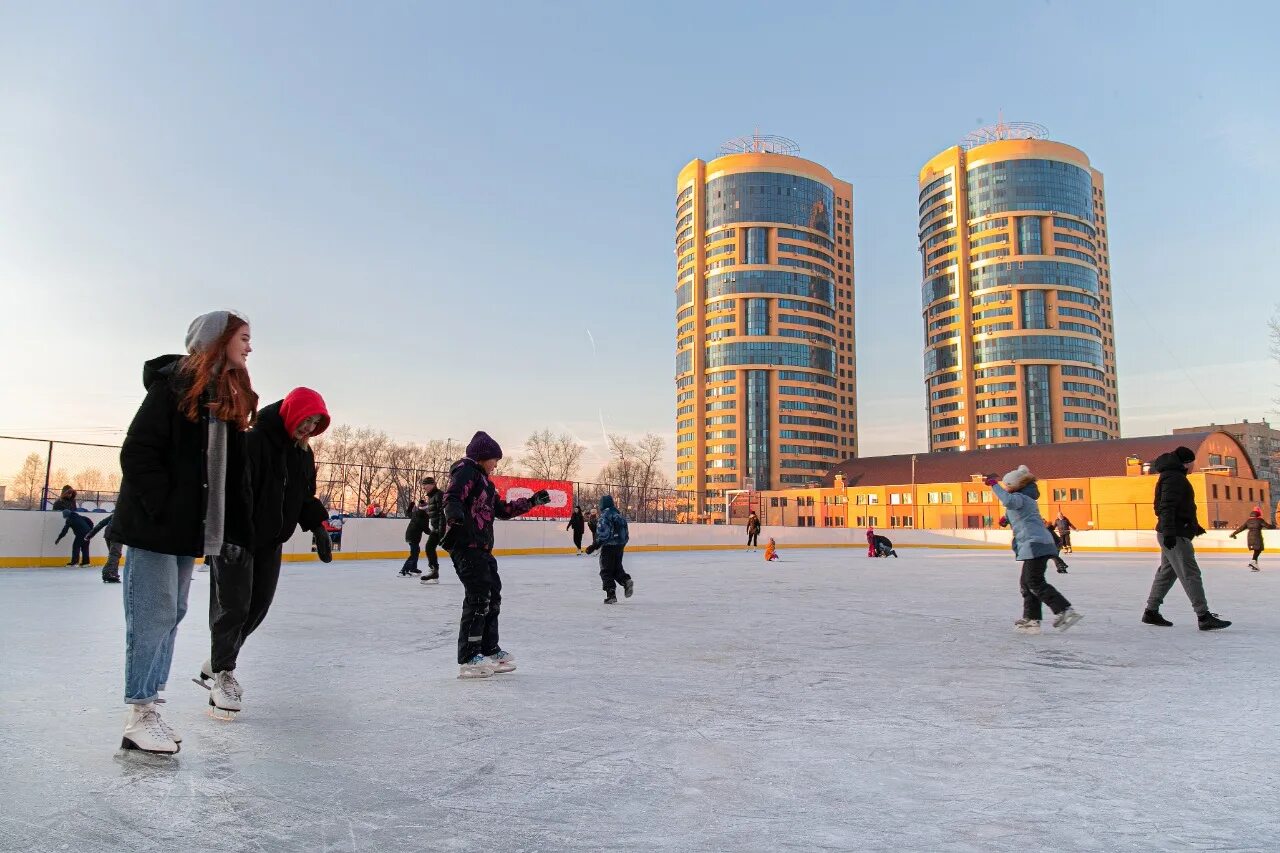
x=1257, y=552
x=577, y=539
x=481, y=602
x=80, y=550
x=753, y=539
x=612, y=574
x=433, y=559
x=112, y=567
x=412, y=562
x=1066, y=540
x=1037, y=590
x=240, y=594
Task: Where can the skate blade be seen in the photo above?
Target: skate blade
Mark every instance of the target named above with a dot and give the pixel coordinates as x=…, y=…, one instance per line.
x=429, y=582
x=222, y=714
x=201, y=681
x=471, y=676
x=128, y=746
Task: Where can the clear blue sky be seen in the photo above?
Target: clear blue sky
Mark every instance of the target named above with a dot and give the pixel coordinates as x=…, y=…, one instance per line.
x=423, y=208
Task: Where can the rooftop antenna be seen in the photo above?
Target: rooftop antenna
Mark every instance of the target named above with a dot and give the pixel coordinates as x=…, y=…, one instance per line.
x=1003, y=130
x=761, y=143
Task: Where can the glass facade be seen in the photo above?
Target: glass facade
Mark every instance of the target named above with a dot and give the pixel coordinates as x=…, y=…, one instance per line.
x=757, y=436
x=938, y=288
x=757, y=245
x=1034, y=272
x=781, y=354
x=757, y=316
x=770, y=197
x=770, y=281
x=1033, y=312
x=1029, y=242
x=1049, y=185
x=1039, y=417
x=940, y=358
x=1037, y=348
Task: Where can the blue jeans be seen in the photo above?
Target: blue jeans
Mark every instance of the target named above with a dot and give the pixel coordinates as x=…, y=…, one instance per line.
x=155, y=600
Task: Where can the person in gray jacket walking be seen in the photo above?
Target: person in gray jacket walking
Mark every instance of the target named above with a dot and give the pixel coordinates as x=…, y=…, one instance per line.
x=1033, y=545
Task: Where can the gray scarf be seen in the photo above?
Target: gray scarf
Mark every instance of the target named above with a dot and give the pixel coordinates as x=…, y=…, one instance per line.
x=215, y=511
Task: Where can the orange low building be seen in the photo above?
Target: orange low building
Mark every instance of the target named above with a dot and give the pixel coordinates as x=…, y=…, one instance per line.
x=1098, y=485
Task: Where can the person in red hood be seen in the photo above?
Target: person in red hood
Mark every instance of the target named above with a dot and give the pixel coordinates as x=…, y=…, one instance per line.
x=283, y=472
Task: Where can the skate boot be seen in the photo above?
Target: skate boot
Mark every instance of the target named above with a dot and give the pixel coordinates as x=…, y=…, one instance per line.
x=1153, y=617
x=501, y=661
x=1253, y=567
x=111, y=578
x=224, y=696
x=1027, y=626
x=478, y=667
x=1212, y=622
x=629, y=588
x=433, y=576
x=1067, y=618
x=206, y=674
x=611, y=599
x=146, y=732
x=415, y=571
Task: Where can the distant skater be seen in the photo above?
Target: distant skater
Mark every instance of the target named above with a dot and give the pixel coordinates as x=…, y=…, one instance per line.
x=1057, y=540
x=1033, y=545
x=879, y=546
x=578, y=524
x=1255, y=524
x=413, y=531
x=753, y=531
x=1064, y=528
x=80, y=528
x=770, y=551
x=611, y=540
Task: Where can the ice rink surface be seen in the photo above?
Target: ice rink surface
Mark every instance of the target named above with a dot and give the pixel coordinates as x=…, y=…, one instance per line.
x=828, y=702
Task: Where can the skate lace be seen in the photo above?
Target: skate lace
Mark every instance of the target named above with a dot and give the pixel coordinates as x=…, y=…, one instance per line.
x=152, y=723
x=231, y=686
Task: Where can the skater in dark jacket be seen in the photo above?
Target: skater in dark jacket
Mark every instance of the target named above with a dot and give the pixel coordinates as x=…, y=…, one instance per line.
x=1255, y=524
x=1175, y=507
x=883, y=546
x=418, y=523
x=1057, y=541
x=753, y=531
x=592, y=521
x=611, y=540
x=435, y=529
x=283, y=472
x=1064, y=527
x=66, y=500
x=80, y=528
x=185, y=494
x=577, y=523
x=110, y=569
x=1033, y=545
x=471, y=504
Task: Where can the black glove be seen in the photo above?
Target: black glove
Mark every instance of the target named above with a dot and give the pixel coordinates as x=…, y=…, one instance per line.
x=1169, y=540
x=452, y=533
x=1199, y=531
x=234, y=555
x=324, y=546
x=540, y=498
x=591, y=549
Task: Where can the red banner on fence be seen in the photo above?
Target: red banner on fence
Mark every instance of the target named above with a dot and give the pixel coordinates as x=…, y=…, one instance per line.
x=561, y=491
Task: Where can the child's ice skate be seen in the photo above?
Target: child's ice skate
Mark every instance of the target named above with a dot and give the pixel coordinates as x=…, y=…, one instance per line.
x=478, y=667
x=1027, y=626
x=1066, y=619
x=501, y=661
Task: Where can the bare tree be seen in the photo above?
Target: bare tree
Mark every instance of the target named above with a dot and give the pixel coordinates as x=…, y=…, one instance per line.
x=27, y=483
x=372, y=453
x=634, y=476
x=89, y=480
x=552, y=457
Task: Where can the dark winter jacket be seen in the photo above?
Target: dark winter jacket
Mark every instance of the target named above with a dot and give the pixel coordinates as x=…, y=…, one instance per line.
x=1063, y=525
x=1255, y=526
x=577, y=522
x=104, y=525
x=418, y=523
x=435, y=511
x=592, y=521
x=611, y=529
x=78, y=524
x=753, y=525
x=65, y=503
x=161, y=506
x=284, y=480
x=1175, y=499
x=471, y=504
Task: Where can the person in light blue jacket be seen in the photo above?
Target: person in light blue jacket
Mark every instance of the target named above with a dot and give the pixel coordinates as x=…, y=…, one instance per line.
x=1034, y=546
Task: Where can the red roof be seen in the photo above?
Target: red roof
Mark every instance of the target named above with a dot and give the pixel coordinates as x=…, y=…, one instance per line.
x=1046, y=461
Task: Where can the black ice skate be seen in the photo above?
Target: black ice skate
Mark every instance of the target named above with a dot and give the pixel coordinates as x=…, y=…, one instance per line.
x=612, y=599
x=629, y=588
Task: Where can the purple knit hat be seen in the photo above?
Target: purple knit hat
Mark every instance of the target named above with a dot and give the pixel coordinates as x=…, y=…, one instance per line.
x=483, y=447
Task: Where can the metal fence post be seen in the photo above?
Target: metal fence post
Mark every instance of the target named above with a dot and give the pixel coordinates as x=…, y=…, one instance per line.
x=48, y=469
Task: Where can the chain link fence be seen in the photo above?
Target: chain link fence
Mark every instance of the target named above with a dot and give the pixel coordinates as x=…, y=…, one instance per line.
x=33, y=473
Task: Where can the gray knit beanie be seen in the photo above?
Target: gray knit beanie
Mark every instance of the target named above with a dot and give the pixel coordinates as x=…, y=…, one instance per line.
x=206, y=328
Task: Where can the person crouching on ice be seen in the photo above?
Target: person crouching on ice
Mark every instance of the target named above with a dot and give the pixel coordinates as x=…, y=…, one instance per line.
x=1033, y=545
x=611, y=540
x=471, y=504
x=770, y=551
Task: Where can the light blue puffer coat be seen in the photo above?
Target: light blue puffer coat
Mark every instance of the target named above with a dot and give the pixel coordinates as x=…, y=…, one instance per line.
x=1030, y=537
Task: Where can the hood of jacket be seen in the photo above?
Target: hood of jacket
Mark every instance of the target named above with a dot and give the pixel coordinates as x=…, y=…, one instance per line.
x=606, y=502
x=1031, y=491
x=1168, y=462
x=161, y=367
x=269, y=423
x=300, y=404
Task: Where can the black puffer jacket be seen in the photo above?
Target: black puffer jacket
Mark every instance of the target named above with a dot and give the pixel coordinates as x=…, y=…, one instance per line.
x=417, y=524
x=284, y=482
x=1175, y=499
x=161, y=506
x=435, y=511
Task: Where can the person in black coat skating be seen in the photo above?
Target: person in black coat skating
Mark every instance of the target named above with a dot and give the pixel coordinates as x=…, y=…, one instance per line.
x=80, y=528
x=435, y=528
x=1255, y=524
x=578, y=524
x=611, y=540
x=413, y=531
x=283, y=472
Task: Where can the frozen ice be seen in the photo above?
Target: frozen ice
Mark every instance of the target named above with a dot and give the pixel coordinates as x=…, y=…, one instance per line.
x=827, y=702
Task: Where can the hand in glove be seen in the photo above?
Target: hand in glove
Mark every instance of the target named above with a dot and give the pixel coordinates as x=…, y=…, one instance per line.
x=1004, y=521
x=1169, y=540
x=540, y=498
x=324, y=545
x=592, y=548
x=1200, y=531
x=1233, y=536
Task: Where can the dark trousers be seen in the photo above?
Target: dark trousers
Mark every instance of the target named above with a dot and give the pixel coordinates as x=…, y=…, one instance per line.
x=112, y=566
x=577, y=539
x=1058, y=561
x=612, y=574
x=1066, y=540
x=1037, y=590
x=433, y=560
x=481, y=602
x=1257, y=552
x=240, y=594
x=753, y=539
x=412, y=562
x=80, y=550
